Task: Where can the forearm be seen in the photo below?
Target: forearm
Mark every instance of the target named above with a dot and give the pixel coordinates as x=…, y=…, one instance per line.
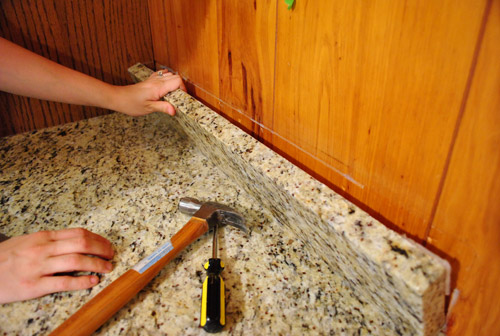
x=25, y=73
x=28, y=74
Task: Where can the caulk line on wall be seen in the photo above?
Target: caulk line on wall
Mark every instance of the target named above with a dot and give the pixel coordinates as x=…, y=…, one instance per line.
x=344, y=175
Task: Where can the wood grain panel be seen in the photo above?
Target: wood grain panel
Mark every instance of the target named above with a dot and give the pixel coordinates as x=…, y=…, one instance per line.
x=174, y=33
x=247, y=37
x=191, y=47
x=98, y=38
x=159, y=32
x=192, y=41
x=226, y=64
x=467, y=221
x=370, y=93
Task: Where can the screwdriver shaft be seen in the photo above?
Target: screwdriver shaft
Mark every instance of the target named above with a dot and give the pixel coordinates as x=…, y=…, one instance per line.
x=214, y=244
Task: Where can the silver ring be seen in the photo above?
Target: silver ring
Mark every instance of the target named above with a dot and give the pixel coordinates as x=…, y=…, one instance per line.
x=160, y=73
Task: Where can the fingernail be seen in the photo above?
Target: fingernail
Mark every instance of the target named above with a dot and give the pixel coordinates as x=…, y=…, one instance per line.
x=94, y=280
x=109, y=266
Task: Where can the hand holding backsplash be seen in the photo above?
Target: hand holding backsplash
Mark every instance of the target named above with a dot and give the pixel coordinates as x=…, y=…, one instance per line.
x=145, y=97
x=25, y=73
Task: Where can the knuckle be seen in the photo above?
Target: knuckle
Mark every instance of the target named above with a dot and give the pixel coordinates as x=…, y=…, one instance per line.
x=100, y=265
x=33, y=263
x=81, y=232
x=83, y=243
x=63, y=283
x=150, y=108
x=83, y=282
x=27, y=284
x=30, y=288
x=73, y=262
x=42, y=235
x=68, y=283
x=110, y=251
x=35, y=251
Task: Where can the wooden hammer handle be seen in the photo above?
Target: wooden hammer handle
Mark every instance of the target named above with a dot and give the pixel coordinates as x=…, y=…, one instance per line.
x=112, y=298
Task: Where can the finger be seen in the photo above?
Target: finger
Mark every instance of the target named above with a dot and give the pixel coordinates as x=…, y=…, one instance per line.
x=75, y=232
x=53, y=284
x=177, y=83
x=166, y=74
x=160, y=74
x=156, y=73
x=76, y=262
x=162, y=106
x=182, y=86
x=170, y=84
x=86, y=244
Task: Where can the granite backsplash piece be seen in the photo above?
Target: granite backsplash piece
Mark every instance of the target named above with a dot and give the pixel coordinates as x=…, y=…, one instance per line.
x=405, y=281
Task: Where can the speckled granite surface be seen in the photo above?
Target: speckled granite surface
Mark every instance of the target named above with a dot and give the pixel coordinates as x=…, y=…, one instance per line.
x=406, y=282
x=122, y=177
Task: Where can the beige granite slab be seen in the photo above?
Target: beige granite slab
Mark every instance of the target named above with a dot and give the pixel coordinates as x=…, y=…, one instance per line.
x=122, y=177
x=403, y=280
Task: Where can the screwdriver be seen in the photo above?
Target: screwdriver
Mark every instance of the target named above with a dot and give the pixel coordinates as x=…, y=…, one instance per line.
x=213, y=314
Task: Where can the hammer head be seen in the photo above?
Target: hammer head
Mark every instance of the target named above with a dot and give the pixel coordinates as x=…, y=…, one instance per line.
x=214, y=213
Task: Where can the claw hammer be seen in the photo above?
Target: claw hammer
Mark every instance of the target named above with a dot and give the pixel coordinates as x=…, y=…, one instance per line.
x=112, y=298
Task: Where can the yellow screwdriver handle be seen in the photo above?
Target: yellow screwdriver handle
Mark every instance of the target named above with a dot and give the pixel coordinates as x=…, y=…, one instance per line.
x=213, y=305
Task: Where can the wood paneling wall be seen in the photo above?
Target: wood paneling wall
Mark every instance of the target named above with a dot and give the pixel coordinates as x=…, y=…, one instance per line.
x=99, y=38
x=467, y=222
x=369, y=91
x=395, y=105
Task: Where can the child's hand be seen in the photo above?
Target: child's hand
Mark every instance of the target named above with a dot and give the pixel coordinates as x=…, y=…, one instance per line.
x=28, y=263
x=144, y=97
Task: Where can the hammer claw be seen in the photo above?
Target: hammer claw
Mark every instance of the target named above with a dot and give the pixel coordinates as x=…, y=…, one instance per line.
x=212, y=212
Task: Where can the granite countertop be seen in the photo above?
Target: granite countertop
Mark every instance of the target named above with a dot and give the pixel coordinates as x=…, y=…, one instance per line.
x=122, y=177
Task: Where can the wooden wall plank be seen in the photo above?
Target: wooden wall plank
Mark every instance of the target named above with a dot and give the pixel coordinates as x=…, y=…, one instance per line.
x=192, y=41
x=372, y=90
x=247, y=37
x=467, y=222
x=101, y=39
x=192, y=46
x=159, y=32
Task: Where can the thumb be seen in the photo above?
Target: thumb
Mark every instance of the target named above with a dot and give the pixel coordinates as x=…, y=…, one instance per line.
x=162, y=106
